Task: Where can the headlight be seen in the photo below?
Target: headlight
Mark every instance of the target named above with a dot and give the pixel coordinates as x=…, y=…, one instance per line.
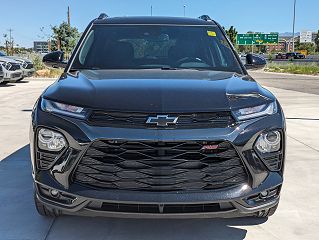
x=257, y=111
x=50, y=140
x=64, y=109
x=268, y=142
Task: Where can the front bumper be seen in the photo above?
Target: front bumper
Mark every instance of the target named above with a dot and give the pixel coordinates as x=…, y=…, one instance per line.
x=233, y=202
x=12, y=76
x=28, y=72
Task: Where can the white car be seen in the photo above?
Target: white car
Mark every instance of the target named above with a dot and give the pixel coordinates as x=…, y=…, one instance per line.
x=12, y=71
x=26, y=65
x=1, y=74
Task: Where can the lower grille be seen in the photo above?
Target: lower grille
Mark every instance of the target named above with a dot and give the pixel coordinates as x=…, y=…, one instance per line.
x=160, y=166
x=15, y=75
x=162, y=209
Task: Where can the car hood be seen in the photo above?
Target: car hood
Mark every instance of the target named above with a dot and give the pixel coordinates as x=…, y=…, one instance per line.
x=8, y=59
x=19, y=59
x=158, y=91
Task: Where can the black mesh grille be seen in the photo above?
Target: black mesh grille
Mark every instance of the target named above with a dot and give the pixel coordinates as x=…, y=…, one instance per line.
x=138, y=120
x=160, y=166
x=29, y=66
x=160, y=209
x=14, y=66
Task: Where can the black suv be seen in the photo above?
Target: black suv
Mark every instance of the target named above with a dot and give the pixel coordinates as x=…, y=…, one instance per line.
x=156, y=117
x=295, y=55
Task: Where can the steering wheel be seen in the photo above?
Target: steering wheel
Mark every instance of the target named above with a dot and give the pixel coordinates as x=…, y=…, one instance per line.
x=189, y=59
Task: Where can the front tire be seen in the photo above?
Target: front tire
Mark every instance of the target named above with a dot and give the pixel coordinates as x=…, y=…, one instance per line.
x=44, y=210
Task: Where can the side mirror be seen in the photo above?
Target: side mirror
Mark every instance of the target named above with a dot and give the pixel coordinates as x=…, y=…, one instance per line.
x=54, y=60
x=254, y=61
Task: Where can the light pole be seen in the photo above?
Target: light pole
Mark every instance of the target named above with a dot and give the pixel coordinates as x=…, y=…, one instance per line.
x=293, y=27
x=184, y=10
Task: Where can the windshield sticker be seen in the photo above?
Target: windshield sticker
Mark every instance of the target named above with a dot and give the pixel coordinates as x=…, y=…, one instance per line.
x=211, y=33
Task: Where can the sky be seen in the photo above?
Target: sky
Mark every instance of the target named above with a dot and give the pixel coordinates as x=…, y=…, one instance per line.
x=27, y=17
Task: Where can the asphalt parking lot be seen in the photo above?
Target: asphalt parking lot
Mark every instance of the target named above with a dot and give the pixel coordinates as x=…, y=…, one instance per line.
x=296, y=218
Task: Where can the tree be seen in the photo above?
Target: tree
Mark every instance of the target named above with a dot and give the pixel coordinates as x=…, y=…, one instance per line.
x=232, y=34
x=64, y=38
x=8, y=44
x=310, y=47
x=317, y=42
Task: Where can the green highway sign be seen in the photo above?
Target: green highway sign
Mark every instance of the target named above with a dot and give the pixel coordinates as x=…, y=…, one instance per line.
x=258, y=39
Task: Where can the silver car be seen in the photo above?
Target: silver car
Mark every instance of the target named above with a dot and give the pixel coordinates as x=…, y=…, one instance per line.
x=12, y=70
x=27, y=66
x=1, y=74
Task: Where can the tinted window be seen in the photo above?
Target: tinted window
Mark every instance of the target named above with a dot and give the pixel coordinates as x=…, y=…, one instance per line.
x=155, y=46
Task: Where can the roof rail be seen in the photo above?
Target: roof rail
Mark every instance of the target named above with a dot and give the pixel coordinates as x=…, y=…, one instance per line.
x=103, y=16
x=205, y=18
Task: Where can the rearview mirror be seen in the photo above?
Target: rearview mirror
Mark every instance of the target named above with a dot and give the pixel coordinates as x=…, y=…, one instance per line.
x=254, y=61
x=54, y=60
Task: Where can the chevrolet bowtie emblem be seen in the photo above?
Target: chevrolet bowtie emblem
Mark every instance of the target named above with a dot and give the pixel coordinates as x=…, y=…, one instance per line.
x=162, y=120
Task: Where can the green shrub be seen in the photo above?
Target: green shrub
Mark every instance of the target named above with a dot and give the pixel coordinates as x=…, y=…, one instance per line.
x=310, y=69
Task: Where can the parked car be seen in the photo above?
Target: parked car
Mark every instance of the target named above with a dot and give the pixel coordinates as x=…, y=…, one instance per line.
x=1, y=74
x=295, y=55
x=26, y=65
x=281, y=56
x=11, y=69
x=145, y=123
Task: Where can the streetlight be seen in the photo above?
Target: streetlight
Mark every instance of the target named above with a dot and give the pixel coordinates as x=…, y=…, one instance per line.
x=293, y=27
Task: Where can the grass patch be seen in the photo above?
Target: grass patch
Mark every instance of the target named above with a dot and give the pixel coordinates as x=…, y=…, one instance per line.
x=308, y=69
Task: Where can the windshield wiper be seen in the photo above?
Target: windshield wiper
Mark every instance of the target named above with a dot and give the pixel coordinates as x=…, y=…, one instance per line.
x=87, y=68
x=169, y=68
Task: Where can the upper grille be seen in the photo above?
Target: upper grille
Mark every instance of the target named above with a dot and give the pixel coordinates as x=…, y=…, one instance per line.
x=14, y=66
x=160, y=166
x=138, y=120
x=27, y=65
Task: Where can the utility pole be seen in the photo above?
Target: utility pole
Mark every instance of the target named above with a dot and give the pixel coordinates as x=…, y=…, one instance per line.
x=293, y=27
x=69, y=20
x=10, y=30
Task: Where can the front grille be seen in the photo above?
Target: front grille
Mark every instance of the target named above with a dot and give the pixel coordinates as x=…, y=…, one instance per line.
x=161, y=209
x=185, y=120
x=15, y=75
x=160, y=166
x=14, y=67
x=27, y=65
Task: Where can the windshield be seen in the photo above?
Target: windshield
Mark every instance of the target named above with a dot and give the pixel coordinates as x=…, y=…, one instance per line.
x=156, y=46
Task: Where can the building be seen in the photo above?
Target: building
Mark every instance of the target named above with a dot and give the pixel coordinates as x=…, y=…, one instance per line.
x=41, y=46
